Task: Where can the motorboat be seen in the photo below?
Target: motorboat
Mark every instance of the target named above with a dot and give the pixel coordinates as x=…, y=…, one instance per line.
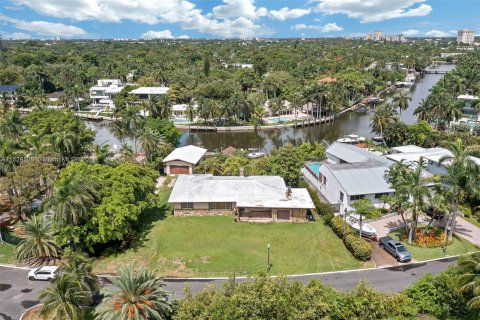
x=255, y=154
x=354, y=221
x=352, y=139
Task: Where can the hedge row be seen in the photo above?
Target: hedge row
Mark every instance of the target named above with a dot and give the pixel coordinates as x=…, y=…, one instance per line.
x=323, y=209
x=360, y=248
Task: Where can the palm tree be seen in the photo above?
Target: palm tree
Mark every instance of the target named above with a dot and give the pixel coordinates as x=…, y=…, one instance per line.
x=165, y=107
x=11, y=125
x=72, y=198
x=64, y=143
x=191, y=111
x=423, y=111
x=79, y=267
x=401, y=100
x=101, y=153
x=137, y=295
x=150, y=141
x=462, y=178
x=63, y=299
x=384, y=116
x=132, y=121
x=469, y=280
x=411, y=183
x=38, y=246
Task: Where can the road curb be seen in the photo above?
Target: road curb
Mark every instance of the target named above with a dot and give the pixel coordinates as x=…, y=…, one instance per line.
x=407, y=265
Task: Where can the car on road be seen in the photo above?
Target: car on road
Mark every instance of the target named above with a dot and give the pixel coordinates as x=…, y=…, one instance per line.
x=47, y=273
x=395, y=248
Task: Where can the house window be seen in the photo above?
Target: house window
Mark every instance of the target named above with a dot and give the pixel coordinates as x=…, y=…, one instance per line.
x=220, y=206
x=341, y=196
x=379, y=195
x=186, y=205
x=357, y=197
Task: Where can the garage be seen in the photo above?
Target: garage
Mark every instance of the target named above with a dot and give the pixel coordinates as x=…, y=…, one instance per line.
x=283, y=214
x=174, y=169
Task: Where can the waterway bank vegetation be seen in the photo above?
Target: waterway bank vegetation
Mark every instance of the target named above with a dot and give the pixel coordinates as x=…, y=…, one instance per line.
x=331, y=74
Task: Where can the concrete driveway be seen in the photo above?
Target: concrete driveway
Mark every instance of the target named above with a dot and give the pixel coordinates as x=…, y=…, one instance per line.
x=381, y=257
x=17, y=293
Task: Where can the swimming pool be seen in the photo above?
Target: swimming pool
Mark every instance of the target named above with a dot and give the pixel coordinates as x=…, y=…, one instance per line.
x=280, y=119
x=180, y=121
x=314, y=167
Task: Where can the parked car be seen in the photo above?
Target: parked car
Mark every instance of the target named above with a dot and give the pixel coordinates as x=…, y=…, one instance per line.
x=395, y=248
x=438, y=215
x=47, y=273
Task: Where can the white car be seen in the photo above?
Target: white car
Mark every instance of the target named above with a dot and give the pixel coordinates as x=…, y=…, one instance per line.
x=43, y=273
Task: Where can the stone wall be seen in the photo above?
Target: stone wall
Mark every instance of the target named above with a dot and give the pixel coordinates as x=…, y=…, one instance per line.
x=201, y=212
x=299, y=215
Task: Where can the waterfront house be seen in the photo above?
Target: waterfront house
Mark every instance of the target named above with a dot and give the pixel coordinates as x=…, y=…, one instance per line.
x=146, y=93
x=9, y=91
x=183, y=160
x=249, y=199
x=102, y=93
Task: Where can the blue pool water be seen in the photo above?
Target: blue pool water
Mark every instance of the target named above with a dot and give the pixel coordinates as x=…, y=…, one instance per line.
x=180, y=121
x=280, y=119
x=314, y=167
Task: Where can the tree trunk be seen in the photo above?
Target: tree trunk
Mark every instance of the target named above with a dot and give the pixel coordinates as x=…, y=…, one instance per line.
x=453, y=220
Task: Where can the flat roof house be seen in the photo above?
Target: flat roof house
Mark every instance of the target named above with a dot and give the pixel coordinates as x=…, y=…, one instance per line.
x=183, y=160
x=250, y=199
x=145, y=93
x=102, y=93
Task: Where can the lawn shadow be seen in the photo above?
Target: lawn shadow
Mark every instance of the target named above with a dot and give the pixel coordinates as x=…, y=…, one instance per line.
x=145, y=223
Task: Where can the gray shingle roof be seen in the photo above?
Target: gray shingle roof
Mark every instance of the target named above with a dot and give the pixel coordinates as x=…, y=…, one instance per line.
x=8, y=87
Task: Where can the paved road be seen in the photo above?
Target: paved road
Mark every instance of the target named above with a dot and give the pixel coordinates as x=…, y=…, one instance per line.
x=17, y=293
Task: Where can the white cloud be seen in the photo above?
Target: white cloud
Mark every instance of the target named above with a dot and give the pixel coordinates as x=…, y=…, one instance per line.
x=163, y=34
x=375, y=10
x=439, y=33
x=232, y=19
x=45, y=28
x=410, y=32
x=329, y=27
x=286, y=13
x=16, y=35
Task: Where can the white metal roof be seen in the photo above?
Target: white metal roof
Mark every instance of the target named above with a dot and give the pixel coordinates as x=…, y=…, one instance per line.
x=253, y=191
x=434, y=154
x=360, y=178
x=409, y=148
x=351, y=154
x=190, y=154
x=150, y=90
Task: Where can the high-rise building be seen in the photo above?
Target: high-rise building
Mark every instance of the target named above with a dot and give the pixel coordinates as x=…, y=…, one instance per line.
x=378, y=35
x=466, y=36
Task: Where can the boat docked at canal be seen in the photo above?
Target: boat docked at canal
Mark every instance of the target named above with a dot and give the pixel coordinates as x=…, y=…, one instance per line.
x=352, y=139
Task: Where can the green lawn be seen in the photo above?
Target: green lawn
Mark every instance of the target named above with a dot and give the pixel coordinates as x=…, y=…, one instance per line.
x=7, y=248
x=459, y=246
x=217, y=246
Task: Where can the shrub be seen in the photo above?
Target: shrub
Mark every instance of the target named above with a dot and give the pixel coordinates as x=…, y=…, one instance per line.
x=323, y=209
x=476, y=130
x=433, y=238
x=465, y=210
x=360, y=248
x=336, y=223
x=462, y=127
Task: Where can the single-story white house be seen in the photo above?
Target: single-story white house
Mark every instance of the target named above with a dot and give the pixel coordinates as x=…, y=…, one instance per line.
x=183, y=160
x=250, y=199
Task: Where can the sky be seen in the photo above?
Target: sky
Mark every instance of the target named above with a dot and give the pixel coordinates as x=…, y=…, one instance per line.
x=222, y=19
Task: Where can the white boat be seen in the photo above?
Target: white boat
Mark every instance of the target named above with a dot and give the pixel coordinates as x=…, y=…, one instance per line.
x=354, y=221
x=256, y=155
x=352, y=139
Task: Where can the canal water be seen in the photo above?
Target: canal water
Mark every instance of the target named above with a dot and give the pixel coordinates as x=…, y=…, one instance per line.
x=266, y=140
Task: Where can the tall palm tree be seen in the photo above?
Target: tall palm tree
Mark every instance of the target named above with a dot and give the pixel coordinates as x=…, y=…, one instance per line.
x=401, y=100
x=462, y=178
x=191, y=111
x=150, y=140
x=64, y=143
x=469, y=280
x=136, y=295
x=165, y=106
x=72, y=198
x=38, y=246
x=384, y=116
x=63, y=299
x=411, y=183
x=132, y=120
x=101, y=153
x=79, y=267
x=423, y=111
x=11, y=125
